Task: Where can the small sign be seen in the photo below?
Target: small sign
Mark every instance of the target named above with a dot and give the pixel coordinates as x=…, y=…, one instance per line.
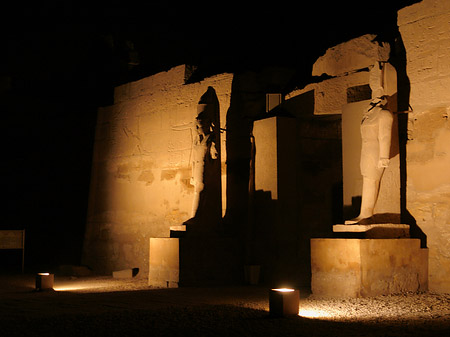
x=11, y=239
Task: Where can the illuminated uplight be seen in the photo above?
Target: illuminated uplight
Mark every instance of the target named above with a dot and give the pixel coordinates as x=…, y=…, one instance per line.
x=284, y=290
x=44, y=281
x=283, y=302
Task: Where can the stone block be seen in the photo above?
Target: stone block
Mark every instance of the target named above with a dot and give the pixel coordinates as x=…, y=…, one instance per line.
x=331, y=94
x=367, y=267
x=350, y=56
x=336, y=267
x=359, y=93
x=178, y=231
x=393, y=266
x=210, y=261
x=194, y=261
x=164, y=263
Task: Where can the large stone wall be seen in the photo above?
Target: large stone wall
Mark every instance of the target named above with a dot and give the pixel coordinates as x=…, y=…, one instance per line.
x=425, y=34
x=140, y=183
x=346, y=92
x=347, y=66
x=425, y=30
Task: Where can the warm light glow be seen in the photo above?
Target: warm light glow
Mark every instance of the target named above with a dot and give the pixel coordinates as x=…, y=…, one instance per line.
x=283, y=290
x=72, y=288
x=79, y=287
x=44, y=274
x=313, y=313
x=91, y=285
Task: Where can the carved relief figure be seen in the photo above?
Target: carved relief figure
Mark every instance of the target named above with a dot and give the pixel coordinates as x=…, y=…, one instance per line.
x=376, y=130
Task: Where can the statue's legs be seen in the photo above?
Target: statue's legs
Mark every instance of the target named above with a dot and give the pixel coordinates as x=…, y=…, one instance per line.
x=369, y=197
x=198, y=188
x=370, y=191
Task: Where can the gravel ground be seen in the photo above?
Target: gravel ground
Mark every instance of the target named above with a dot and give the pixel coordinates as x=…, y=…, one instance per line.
x=102, y=306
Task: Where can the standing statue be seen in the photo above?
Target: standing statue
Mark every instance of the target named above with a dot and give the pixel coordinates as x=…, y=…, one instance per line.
x=376, y=131
x=205, y=135
x=204, y=148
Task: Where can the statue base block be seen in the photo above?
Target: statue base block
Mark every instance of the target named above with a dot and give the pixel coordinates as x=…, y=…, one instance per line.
x=164, y=263
x=194, y=261
x=367, y=267
x=178, y=231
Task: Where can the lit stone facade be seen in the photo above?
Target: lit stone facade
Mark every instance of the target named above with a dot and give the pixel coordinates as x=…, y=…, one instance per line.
x=140, y=184
x=425, y=30
x=141, y=172
x=425, y=34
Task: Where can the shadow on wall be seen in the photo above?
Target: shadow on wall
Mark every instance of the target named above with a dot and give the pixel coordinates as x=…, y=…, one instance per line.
x=399, y=61
x=278, y=229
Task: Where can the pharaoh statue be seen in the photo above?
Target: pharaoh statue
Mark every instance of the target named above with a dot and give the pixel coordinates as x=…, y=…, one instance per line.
x=204, y=147
x=204, y=131
x=376, y=131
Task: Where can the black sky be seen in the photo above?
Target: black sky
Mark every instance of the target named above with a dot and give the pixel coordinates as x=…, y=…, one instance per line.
x=60, y=60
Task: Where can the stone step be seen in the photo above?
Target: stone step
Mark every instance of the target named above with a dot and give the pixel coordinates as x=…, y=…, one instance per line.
x=375, y=231
x=177, y=231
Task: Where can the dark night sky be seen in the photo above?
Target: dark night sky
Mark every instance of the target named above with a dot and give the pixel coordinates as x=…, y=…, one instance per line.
x=60, y=60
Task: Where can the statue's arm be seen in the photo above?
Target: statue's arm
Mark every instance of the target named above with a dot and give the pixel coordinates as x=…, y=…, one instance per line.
x=213, y=151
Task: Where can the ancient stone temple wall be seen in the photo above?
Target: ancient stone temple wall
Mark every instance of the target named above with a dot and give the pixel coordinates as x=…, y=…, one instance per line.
x=425, y=30
x=141, y=175
x=425, y=36
x=346, y=92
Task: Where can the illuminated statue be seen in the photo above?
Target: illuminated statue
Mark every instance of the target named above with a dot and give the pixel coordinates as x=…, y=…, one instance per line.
x=376, y=130
x=204, y=147
x=205, y=135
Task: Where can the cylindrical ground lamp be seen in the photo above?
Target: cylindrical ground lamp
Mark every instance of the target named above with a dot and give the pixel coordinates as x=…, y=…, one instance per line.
x=284, y=302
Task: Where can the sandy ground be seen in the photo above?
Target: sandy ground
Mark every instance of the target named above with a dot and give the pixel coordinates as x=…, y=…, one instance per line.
x=103, y=306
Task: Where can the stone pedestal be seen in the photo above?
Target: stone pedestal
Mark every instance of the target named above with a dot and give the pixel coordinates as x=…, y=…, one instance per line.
x=374, y=231
x=164, y=263
x=367, y=267
x=274, y=206
x=195, y=261
x=178, y=231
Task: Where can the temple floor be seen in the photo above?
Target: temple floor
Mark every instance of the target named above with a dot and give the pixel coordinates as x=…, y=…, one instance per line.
x=103, y=306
